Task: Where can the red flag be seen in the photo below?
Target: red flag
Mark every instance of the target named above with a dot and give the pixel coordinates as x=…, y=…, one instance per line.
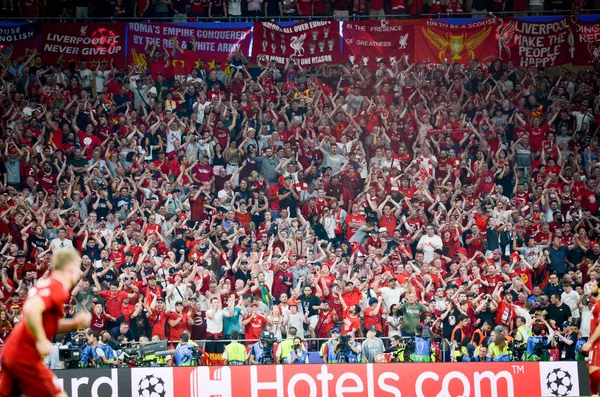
x=586, y=41
x=460, y=43
x=309, y=44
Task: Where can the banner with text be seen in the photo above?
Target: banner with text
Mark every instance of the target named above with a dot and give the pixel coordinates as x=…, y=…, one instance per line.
x=309, y=44
x=213, y=42
x=567, y=378
x=437, y=41
x=17, y=39
x=539, y=44
x=587, y=42
x=365, y=43
x=93, y=42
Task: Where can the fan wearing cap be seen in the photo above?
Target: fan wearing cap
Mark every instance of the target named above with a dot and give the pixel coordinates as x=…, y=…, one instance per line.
x=294, y=318
x=178, y=321
x=253, y=323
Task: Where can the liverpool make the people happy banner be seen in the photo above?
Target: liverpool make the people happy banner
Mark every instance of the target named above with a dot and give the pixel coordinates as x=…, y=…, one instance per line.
x=93, y=42
x=539, y=44
x=365, y=43
x=309, y=44
x=210, y=42
x=438, y=41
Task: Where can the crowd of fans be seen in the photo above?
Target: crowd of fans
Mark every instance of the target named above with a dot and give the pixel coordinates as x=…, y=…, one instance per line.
x=236, y=10
x=459, y=199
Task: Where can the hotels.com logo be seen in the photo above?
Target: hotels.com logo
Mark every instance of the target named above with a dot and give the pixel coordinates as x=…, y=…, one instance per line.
x=356, y=380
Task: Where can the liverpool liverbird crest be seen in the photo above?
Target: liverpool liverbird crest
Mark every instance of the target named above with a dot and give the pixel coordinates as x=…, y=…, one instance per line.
x=297, y=44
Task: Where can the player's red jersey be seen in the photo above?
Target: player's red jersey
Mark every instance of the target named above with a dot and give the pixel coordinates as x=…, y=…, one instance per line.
x=23, y=371
x=55, y=296
x=595, y=318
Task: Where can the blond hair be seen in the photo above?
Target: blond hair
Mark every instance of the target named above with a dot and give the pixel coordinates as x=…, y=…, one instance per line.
x=64, y=257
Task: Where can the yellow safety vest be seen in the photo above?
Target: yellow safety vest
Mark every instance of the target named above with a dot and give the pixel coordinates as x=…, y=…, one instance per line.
x=286, y=348
x=236, y=353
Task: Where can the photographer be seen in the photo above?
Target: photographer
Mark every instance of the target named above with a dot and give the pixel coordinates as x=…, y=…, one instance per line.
x=327, y=351
x=397, y=349
x=537, y=345
x=235, y=352
x=261, y=351
x=107, y=357
x=348, y=350
x=186, y=353
x=421, y=350
x=298, y=355
x=52, y=360
x=88, y=352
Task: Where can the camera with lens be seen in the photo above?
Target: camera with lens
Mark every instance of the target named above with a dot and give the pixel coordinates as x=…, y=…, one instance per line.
x=518, y=350
x=70, y=356
x=297, y=346
x=268, y=340
x=79, y=340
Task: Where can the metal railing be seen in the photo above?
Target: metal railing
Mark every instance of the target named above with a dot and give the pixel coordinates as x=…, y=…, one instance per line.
x=300, y=18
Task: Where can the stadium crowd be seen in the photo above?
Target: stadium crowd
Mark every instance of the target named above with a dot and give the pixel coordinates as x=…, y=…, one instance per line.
x=456, y=201
x=236, y=10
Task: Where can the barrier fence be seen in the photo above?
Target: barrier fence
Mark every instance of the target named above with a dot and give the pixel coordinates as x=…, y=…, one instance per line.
x=529, y=41
x=368, y=380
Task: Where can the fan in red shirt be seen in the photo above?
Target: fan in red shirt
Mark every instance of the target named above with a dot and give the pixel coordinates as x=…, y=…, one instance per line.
x=253, y=323
x=351, y=317
x=178, y=322
x=23, y=371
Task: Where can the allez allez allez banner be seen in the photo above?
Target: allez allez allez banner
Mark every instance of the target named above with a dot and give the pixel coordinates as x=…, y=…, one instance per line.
x=93, y=41
x=438, y=40
x=309, y=44
x=214, y=42
x=539, y=44
x=366, y=42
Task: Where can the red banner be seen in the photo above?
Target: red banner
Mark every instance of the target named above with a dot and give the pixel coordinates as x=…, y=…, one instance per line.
x=93, y=41
x=367, y=42
x=538, y=44
x=309, y=44
x=212, y=43
x=437, y=40
x=587, y=42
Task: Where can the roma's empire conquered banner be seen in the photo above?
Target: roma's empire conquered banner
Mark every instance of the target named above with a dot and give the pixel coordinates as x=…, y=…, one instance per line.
x=213, y=42
x=587, y=42
x=309, y=44
x=367, y=42
x=538, y=44
x=437, y=41
x=93, y=41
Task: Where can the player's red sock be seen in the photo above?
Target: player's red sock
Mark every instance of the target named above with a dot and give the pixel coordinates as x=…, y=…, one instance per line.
x=595, y=381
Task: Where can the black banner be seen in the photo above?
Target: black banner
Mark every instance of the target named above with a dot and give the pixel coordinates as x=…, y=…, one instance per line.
x=96, y=382
x=16, y=32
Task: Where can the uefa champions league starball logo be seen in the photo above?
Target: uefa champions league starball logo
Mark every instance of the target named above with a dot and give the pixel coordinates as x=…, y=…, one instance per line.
x=151, y=386
x=559, y=382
